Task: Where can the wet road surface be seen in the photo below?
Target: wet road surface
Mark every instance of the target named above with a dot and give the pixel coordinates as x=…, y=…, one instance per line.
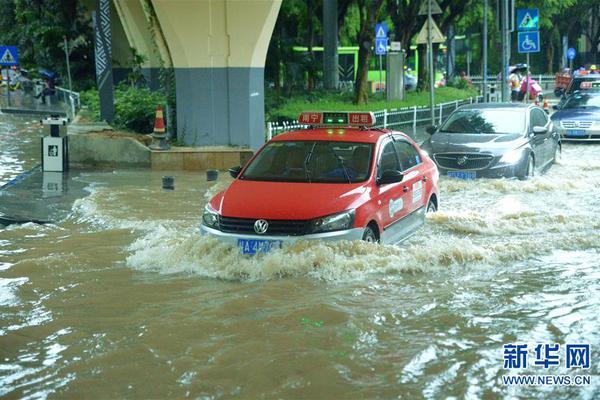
x=121, y=297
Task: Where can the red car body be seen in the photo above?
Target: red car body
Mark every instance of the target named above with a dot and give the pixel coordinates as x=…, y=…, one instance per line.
x=392, y=211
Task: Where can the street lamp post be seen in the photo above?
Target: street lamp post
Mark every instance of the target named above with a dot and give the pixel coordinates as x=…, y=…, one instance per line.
x=430, y=62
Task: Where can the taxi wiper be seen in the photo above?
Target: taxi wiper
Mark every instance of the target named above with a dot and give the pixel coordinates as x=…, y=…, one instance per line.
x=341, y=160
x=307, y=160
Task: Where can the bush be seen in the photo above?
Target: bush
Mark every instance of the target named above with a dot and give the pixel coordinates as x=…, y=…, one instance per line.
x=459, y=83
x=135, y=109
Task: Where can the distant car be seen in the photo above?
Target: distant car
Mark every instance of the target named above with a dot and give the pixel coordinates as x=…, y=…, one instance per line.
x=494, y=141
x=575, y=84
x=337, y=180
x=578, y=117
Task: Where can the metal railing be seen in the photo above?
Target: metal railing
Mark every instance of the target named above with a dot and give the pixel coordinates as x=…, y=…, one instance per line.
x=70, y=99
x=546, y=80
x=406, y=117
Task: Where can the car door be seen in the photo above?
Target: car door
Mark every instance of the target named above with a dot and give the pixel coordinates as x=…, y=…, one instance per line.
x=414, y=180
x=393, y=199
x=544, y=145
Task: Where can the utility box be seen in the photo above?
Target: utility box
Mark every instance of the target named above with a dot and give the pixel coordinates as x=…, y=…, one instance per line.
x=394, y=77
x=55, y=151
x=492, y=94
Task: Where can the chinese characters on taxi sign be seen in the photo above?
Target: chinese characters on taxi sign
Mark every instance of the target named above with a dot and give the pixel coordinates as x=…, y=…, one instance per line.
x=517, y=356
x=337, y=118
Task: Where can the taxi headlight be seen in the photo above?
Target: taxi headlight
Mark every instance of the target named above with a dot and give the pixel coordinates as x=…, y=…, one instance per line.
x=333, y=222
x=512, y=157
x=210, y=217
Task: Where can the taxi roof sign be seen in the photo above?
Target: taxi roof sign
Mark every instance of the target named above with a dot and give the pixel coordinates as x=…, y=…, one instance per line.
x=337, y=118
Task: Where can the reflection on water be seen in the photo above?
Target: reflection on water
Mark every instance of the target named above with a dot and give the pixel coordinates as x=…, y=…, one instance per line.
x=123, y=298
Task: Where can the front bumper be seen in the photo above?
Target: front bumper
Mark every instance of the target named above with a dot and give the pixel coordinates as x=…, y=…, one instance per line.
x=592, y=135
x=232, y=238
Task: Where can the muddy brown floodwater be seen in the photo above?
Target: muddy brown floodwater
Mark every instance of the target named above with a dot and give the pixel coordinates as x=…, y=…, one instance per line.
x=124, y=299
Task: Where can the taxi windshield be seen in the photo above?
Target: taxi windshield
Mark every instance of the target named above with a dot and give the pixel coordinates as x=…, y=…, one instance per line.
x=583, y=100
x=311, y=161
x=494, y=121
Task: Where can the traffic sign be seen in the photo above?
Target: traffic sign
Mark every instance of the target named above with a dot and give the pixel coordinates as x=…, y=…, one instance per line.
x=528, y=19
x=435, y=8
x=381, y=31
x=381, y=46
x=571, y=53
x=529, y=42
x=436, y=34
x=9, y=56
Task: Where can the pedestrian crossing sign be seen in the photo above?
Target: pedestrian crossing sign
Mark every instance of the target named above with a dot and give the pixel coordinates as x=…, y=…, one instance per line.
x=528, y=19
x=8, y=56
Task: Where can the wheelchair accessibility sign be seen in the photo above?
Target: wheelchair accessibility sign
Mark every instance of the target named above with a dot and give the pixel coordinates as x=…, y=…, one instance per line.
x=529, y=42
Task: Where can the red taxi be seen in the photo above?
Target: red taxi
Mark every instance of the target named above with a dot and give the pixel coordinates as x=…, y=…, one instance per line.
x=339, y=179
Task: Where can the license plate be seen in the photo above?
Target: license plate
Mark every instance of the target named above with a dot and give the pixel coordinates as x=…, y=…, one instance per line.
x=462, y=174
x=576, y=132
x=255, y=246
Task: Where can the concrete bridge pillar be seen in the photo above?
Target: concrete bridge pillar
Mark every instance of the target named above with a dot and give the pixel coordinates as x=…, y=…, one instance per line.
x=218, y=49
x=137, y=31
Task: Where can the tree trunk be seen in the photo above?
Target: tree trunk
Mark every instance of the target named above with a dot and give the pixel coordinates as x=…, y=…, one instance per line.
x=422, y=78
x=550, y=56
x=369, y=12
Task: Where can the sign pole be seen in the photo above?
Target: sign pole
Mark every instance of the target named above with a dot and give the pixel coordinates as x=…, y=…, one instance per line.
x=527, y=93
x=485, y=44
x=380, y=73
x=430, y=59
x=68, y=66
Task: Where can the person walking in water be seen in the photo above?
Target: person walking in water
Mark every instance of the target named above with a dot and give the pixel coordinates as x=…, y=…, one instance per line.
x=49, y=89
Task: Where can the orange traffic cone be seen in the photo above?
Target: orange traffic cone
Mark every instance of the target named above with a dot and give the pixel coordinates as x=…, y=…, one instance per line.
x=159, y=123
x=159, y=134
x=546, y=106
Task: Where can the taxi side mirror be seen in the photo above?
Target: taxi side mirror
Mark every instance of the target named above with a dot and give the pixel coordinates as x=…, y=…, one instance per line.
x=390, y=176
x=431, y=129
x=538, y=130
x=235, y=171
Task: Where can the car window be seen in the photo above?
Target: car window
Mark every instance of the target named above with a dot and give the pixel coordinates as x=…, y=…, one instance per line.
x=388, y=159
x=582, y=100
x=311, y=161
x=538, y=118
x=485, y=120
x=408, y=155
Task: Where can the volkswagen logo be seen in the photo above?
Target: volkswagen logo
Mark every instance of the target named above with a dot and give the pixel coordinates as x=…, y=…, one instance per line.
x=261, y=226
x=462, y=160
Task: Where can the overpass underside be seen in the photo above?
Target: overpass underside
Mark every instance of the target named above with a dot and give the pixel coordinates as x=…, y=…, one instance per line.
x=217, y=50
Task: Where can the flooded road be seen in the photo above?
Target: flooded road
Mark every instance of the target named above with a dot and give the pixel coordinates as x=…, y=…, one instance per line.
x=122, y=298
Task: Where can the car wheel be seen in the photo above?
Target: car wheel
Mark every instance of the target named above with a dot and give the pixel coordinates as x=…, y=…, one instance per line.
x=528, y=170
x=369, y=235
x=431, y=207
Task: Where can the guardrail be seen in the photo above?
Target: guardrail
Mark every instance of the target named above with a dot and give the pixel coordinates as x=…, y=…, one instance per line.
x=389, y=118
x=546, y=80
x=70, y=99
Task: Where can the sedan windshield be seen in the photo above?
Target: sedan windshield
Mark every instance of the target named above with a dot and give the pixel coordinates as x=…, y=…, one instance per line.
x=495, y=121
x=583, y=100
x=311, y=161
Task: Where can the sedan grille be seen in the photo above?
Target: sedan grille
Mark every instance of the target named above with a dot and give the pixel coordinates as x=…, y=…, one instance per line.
x=576, y=124
x=463, y=161
x=276, y=227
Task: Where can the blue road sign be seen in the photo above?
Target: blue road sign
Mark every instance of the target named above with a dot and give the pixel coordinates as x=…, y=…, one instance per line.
x=529, y=42
x=9, y=56
x=571, y=53
x=528, y=19
x=381, y=46
x=381, y=31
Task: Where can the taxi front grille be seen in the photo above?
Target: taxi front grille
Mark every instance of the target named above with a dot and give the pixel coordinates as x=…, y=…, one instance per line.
x=463, y=161
x=576, y=124
x=276, y=227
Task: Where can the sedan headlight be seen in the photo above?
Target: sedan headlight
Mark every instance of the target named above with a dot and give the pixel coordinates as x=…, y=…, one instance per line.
x=210, y=217
x=333, y=222
x=512, y=157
